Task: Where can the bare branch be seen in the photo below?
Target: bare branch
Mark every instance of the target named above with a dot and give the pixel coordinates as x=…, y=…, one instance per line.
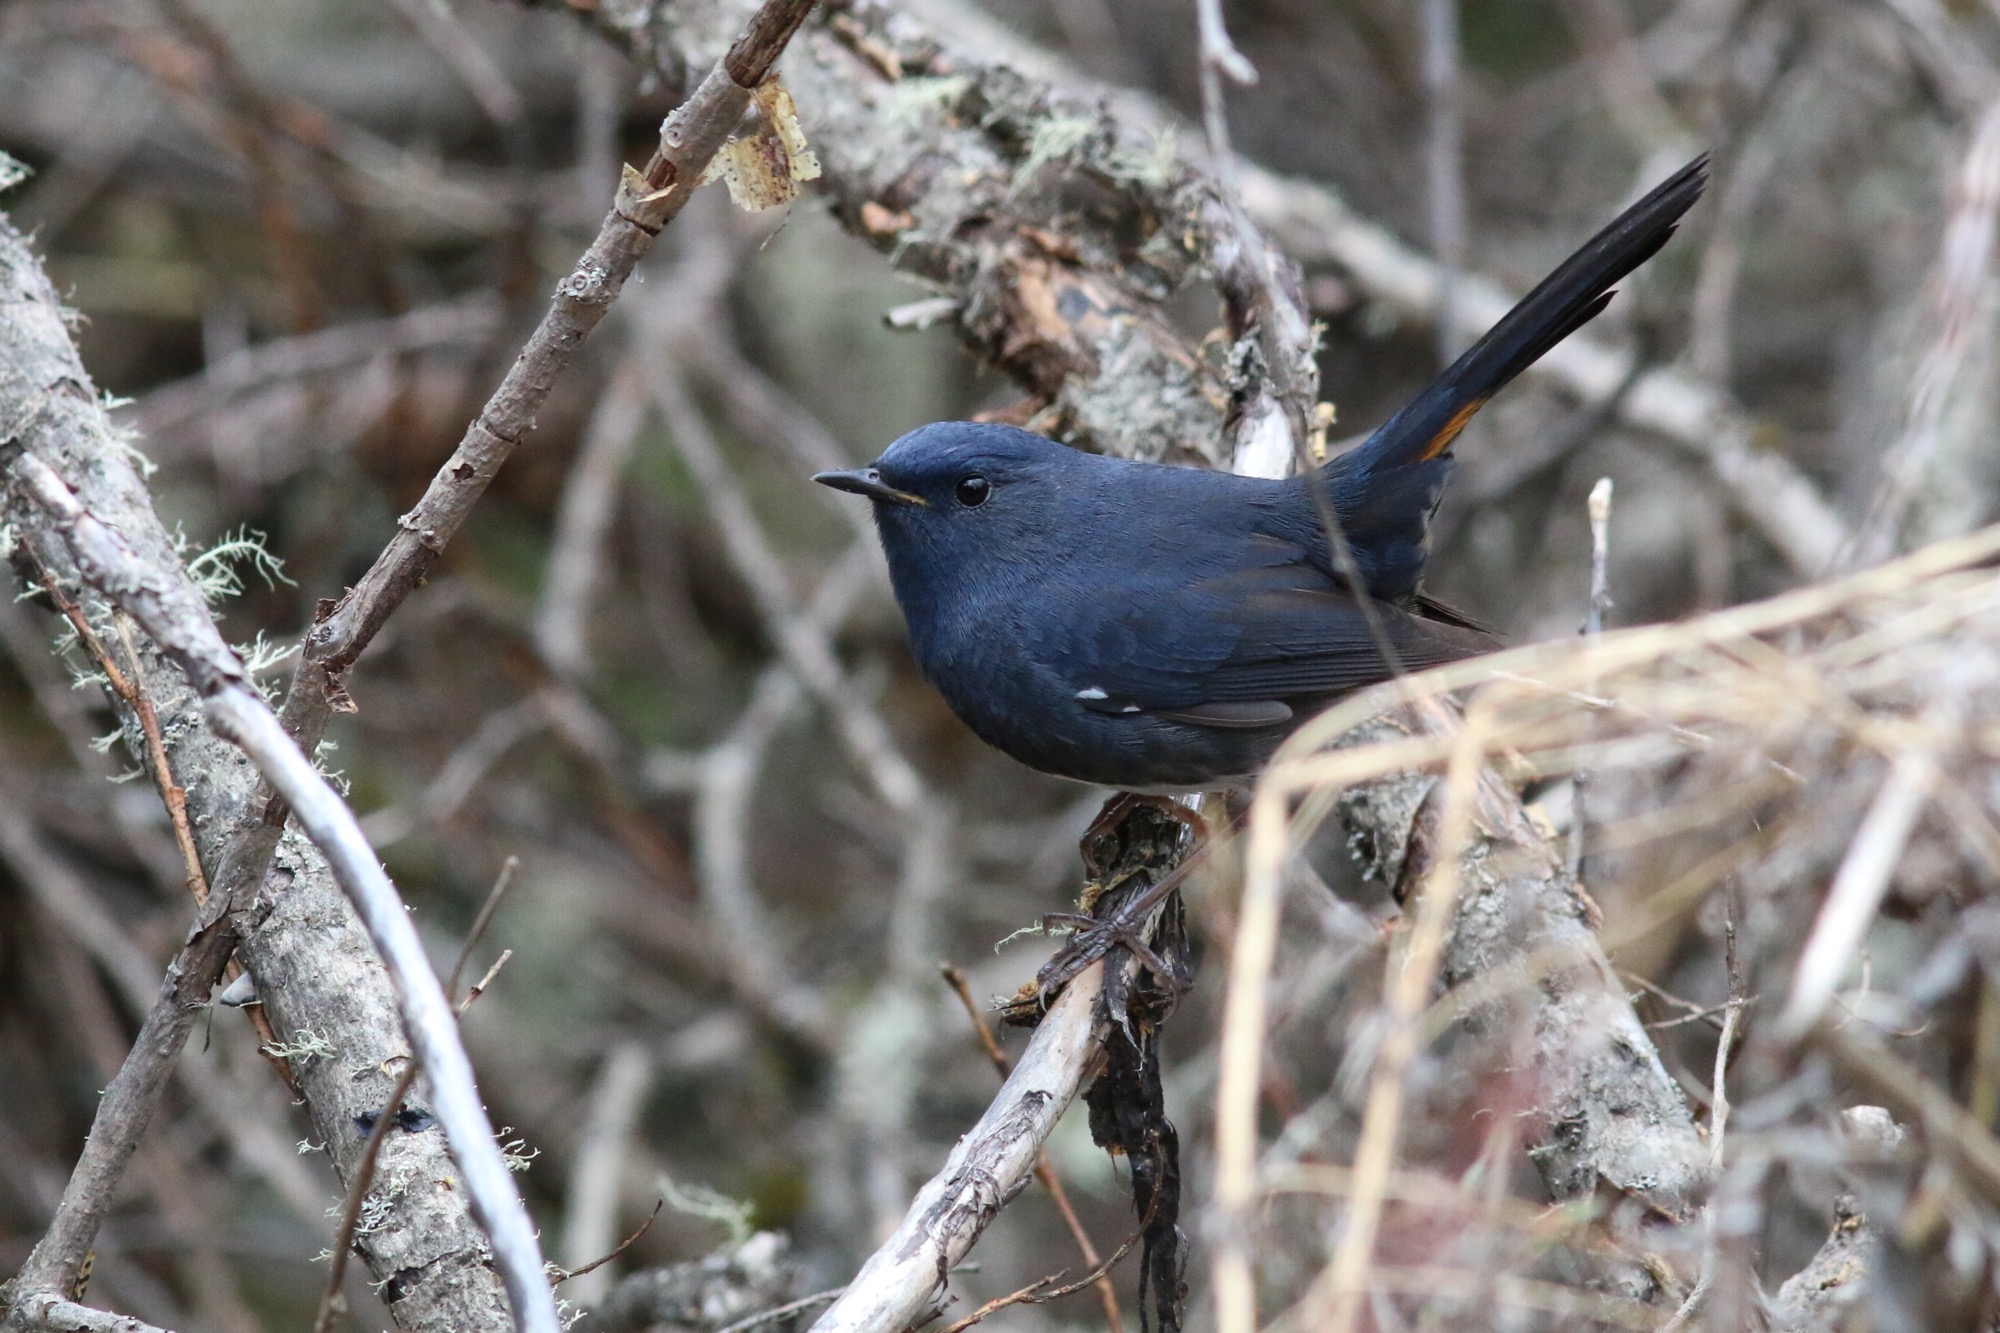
x=903, y=1280
x=647, y=201
x=1045, y=1170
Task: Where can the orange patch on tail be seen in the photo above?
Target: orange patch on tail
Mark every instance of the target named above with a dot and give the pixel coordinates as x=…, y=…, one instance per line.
x=1442, y=440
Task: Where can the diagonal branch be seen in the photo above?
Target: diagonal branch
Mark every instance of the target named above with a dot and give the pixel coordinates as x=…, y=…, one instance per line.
x=903, y=1280
x=647, y=201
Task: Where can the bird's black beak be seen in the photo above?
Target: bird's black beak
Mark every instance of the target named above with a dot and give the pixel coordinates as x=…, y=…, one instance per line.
x=867, y=481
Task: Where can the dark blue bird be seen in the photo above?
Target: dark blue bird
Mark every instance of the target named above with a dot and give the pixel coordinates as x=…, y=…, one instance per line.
x=1164, y=629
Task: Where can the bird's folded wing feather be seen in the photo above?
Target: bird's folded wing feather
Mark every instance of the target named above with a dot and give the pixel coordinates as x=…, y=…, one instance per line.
x=1231, y=648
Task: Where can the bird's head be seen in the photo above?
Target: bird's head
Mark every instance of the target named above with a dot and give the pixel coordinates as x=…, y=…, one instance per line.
x=960, y=496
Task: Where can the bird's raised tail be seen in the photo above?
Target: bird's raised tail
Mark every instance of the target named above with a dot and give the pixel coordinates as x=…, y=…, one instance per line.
x=1395, y=511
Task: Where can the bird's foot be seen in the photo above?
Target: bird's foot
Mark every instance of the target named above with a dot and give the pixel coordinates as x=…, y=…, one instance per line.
x=1092, y=938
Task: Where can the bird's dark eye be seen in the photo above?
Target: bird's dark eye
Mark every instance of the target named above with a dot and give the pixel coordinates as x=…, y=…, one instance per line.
x=973, y=490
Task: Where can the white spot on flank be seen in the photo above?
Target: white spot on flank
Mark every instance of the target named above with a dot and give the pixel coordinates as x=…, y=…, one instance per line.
x=1092, y=693
x=1129, y=708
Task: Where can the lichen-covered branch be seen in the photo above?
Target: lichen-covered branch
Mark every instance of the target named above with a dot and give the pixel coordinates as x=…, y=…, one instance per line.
x=76, y=502
x=1604, y=1108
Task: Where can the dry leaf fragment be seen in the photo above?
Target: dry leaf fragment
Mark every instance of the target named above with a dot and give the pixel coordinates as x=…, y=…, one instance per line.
x=764, y=169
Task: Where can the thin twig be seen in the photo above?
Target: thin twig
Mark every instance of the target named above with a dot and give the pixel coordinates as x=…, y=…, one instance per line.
x=955, y=978
x=171, y=792
x=501, y=883
x=1032, y=1294
x=172, y=795
x=617, y=1249
x=1718, y=1116
x=478, y=988
x=1718, y=1123
x=131, y=691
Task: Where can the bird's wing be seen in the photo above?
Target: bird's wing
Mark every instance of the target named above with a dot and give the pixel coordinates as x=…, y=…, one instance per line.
x=1237, y=647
